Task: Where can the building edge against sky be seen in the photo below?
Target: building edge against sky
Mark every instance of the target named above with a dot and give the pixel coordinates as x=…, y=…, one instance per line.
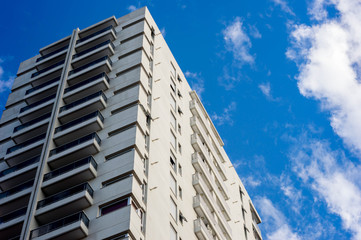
x=103, y=138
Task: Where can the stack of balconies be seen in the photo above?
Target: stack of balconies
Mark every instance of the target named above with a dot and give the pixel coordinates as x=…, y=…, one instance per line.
x=70, y=163
x=210, y=202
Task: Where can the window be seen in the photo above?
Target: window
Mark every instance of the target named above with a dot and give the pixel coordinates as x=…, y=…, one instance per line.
x=172, y=85
x=179, y=78
x=144, y=191
x=181, y=217
x=173, y=162
x=241, y=193
x=173, y=140
x=180, y=111
x=114, y=206
x=151, y=64
x=173, y=70
x=149, y=99
x=173, y=185
x=179, y=148
x=173, y=233
x=179, y=94
x=173, y=121
x=180, y=193
x=180, y=171
x=146, y=138
x=173, y=102
x=173, y=209
x=116, y=179
x=179, y=129
x=150, y=81
x=145, y=165
x=152, y=48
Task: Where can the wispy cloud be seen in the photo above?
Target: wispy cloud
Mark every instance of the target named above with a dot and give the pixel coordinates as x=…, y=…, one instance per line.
x=333, y=178
x=284, y=6
x=238, y=42
x=226, y=116
x=162, y=30
x=196, y=81
x=266, y=90
x=328, y=55
x=274, y=221
x=132, y=8
x=6, y=82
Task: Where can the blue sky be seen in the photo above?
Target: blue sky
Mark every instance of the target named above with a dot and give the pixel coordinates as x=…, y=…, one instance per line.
x=280, y=79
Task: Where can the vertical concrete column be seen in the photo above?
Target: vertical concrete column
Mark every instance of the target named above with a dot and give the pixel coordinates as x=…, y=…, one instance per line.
x=29, y=222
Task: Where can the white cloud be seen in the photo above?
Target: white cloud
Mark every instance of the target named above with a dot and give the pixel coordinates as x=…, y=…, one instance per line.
x=5, y=82
x=196, y=81
x=328, y=55
x=132, y=8
x=226, y=115
x=333, y=178
x=284, y=6
x=266, y=90
x=274, y=221
x=254, y=32
x=238, y=42
x=162, y=30
x=251, y=181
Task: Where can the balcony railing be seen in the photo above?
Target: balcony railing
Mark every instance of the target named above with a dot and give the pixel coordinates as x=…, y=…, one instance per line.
x=80, y=120
x=42, y=85
x=75, y=143
x=48, y=68
x=83, y=100
x=65, y=194
x=32, y=122
x=20, y=166
x=90, y=64
x=70, y=167
x=94, y=34
x=26, y=108
x=26, y=143
x=52, y=53
x=59, y=224
x=13, y=215
x=17, y=189
x=93, y=48
x=71, y=88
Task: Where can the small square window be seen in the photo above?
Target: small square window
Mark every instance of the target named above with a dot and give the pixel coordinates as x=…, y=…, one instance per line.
x=180, y=171
x=180, y=192
x=179, y=128
x=179, y=148
x=172, y=162
x=114, y=206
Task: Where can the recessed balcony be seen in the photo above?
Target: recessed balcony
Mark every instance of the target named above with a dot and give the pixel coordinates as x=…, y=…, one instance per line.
x=13, y=217
x=93, y=53
x=29, y=129
x=71, y=227
x=87, y=87
x=18, y=174
x=64, y=203
x=48, y=69
x=51, y=58
x=79, y=108
x=36, y=109
x=72, y=174
x=25, y=150
x=15, y=197
x=87, y=124
x=42, y=91
x=103, y=64
x=201, y=230
x=95, y=38
x=11, y=224
x=78, y=149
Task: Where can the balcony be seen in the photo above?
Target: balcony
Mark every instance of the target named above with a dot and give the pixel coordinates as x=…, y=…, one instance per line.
x=95, y=38
x=27, y=130
x=103, y=64
x=215, y=181
x=52, y=67
x=201, y=230
x=200, y=146
x=42, y=91
x=201, y=207
x=15, y=197
x=81, y=107
x=202, y=188
x=13, y=215
x=38, y=108
x=25, y=150
x=71, y=227
x=11, y=228
x=93, y=53
x=87, y=87
x=72, y=174
x=78, y=149
x=64, y=203
x=46, y=56
x=19, y=173
x=256, y=230
x=51, y=58
x=87, y=124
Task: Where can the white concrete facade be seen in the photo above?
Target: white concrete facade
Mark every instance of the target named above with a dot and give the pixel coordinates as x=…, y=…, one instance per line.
x=103, y=138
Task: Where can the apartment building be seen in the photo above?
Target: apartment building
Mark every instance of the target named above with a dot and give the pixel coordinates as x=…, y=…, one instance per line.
x=103, y=138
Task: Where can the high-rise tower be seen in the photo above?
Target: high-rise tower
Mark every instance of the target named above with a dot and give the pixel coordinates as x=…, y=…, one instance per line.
x=102, y=138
